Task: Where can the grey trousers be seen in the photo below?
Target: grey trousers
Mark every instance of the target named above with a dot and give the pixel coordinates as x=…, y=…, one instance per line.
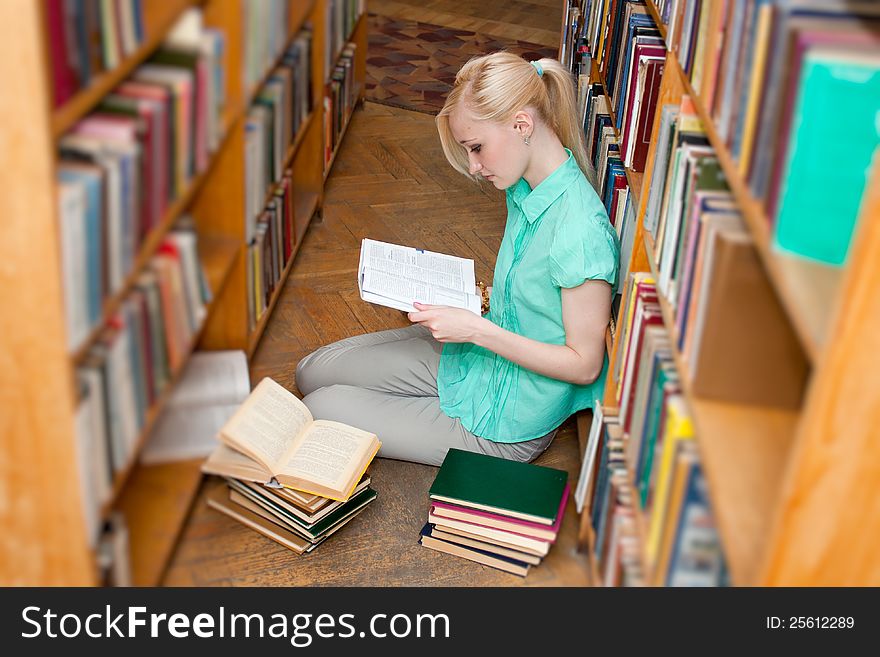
x=386, y=383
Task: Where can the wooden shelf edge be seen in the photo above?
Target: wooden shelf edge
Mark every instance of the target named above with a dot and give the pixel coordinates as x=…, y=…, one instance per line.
x=661, y=26
x=79, y=105
x=743, y=450
x=156, y=507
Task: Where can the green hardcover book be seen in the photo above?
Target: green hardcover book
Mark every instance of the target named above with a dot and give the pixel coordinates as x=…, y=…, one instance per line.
x=834, y=133
x=520, y=490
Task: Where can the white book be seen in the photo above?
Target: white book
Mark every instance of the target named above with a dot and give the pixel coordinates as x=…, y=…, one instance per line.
x=72, y=218
x=398, y=276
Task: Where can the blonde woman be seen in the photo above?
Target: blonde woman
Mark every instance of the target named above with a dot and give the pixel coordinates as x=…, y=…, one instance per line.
x=501, y=383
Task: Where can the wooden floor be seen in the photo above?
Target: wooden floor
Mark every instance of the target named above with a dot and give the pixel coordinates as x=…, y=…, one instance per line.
x=390, y=182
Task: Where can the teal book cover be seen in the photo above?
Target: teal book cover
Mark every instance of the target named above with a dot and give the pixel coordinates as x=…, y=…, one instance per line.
x=835, y=131
x=521, y=490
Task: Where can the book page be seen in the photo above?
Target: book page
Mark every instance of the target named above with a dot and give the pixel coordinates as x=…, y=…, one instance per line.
x=326, y=453
x=267, y=423
x=401, y=293
x=397, y=276
x=435, y=269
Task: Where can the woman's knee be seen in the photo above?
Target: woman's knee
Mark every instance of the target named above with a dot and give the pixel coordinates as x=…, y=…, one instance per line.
x=306, y=379
x=326, y=402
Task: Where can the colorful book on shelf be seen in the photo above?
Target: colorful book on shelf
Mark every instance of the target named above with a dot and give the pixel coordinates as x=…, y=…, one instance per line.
x=492, y=559
x=819, y=204
x=696, y=557
x=501, y=521
x=679, y=427
x=489, y=483
x=798, y=29
x=686, y=459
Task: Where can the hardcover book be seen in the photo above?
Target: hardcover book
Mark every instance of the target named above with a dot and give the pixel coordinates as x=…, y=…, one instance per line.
x=521, y=490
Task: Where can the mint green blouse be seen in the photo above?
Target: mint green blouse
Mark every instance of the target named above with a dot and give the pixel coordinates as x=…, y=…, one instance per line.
x=557, y=236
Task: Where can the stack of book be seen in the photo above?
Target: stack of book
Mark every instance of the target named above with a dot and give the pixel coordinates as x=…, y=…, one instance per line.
x=497, y=512
x=299, y=521
x=294, y=479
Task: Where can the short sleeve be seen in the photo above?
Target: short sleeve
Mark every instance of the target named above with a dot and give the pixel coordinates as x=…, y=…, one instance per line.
x=584, y=248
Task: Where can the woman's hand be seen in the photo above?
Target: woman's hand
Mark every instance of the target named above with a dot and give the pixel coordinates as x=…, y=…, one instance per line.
x=449, y=324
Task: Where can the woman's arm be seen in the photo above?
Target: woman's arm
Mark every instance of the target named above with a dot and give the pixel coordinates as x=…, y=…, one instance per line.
x=585, y=313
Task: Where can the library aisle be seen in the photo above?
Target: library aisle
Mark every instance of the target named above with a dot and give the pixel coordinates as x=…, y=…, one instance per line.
x=390, y=182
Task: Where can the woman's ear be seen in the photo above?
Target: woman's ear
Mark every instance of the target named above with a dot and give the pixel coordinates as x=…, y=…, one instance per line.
x=523, y=123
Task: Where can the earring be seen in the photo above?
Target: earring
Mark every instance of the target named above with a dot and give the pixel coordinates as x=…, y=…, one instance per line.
x=526, y=140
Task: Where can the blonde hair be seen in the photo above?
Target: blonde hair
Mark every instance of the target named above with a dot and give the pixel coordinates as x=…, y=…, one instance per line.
x=495, y=87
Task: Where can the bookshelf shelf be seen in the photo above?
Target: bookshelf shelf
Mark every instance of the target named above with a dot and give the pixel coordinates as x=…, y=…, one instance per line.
x=159, y=16
x=807, y=290
x=744, y=449
x=156, y=504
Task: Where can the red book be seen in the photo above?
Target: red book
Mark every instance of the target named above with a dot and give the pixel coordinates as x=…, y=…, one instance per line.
x=64, y=81
x=645, y=121
x=499, y=521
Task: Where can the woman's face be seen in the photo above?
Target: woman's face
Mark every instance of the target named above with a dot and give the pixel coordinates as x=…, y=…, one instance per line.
x=495, y=151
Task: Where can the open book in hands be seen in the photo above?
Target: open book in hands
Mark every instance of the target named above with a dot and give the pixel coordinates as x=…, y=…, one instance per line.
x=273, y=438
x=398, y=276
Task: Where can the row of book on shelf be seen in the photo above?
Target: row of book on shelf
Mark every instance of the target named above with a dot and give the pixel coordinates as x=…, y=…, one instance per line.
x=86, y=38
x=773, y=77
x=132, y=362
x=123, y=165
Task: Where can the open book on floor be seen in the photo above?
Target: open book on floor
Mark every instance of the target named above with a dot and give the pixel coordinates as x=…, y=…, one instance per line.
x=273, y=439
x=397, y=276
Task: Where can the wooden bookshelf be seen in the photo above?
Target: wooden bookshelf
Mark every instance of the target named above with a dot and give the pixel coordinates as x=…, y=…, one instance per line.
x=47, y=542
x=792, y=491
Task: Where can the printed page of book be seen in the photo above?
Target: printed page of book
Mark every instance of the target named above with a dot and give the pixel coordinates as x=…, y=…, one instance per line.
x=330, y=454
x=397, y=276
x=266, y=425
x=227, y=462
